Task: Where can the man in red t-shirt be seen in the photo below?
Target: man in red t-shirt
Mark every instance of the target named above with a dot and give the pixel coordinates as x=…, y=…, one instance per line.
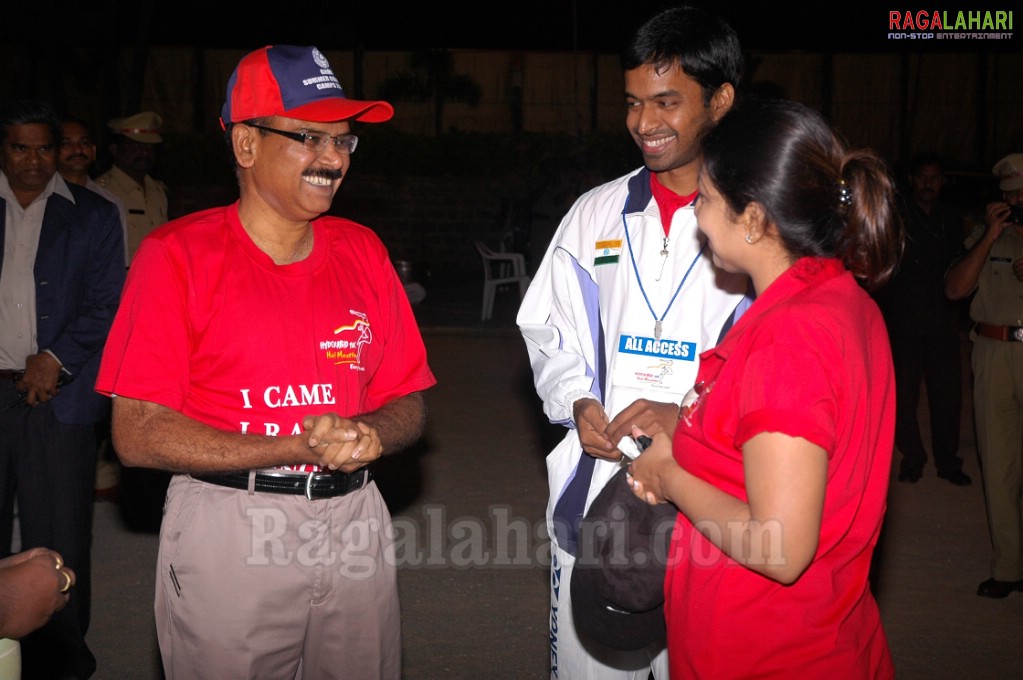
x=267, y=355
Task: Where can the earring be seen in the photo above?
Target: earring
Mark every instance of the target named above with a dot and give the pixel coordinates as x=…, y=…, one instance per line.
x=749, y=239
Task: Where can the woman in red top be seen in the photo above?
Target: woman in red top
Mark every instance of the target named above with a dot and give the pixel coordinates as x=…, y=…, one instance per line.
x=780, y=462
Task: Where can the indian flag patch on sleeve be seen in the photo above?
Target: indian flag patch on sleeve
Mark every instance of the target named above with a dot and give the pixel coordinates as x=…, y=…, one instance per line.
x=608, y=252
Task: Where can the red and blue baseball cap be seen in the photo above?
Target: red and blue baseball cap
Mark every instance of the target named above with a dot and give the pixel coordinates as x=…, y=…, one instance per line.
x=295, y=82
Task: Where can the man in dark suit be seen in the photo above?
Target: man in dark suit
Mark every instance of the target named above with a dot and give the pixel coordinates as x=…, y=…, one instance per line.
x=924, y=326
x=61, y=274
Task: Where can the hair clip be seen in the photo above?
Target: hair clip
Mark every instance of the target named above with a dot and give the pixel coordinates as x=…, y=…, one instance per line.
x=844, y=193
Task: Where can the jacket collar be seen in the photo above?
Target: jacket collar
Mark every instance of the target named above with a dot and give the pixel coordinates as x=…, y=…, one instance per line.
x=639, y=193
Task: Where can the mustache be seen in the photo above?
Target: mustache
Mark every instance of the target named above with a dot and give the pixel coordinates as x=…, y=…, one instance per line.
x=78, y=155
x=327, y=173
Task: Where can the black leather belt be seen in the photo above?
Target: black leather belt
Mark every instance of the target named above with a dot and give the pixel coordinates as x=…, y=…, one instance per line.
x=1008, y=333
x=312, y=485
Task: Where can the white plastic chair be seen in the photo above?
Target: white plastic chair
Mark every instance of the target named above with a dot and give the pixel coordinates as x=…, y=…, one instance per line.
x=500, y=269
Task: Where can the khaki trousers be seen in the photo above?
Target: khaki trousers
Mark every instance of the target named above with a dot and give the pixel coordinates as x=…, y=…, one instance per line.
x=273, y=586
x=998, y=405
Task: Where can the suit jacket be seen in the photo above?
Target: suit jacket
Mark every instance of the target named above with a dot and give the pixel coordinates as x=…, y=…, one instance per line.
x=79, y=273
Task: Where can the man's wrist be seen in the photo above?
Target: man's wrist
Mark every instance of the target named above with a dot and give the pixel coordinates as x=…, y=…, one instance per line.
x=578, y=395
x=60, y=364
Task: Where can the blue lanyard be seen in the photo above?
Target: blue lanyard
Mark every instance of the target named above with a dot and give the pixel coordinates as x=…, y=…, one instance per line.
x=639, y=280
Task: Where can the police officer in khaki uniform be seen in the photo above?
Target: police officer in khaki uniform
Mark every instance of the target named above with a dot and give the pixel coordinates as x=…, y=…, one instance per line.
x=136, y=139
x=139, y=491
x=993, y=267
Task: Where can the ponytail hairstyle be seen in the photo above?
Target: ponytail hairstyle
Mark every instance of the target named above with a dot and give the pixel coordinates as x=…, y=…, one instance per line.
x=825, y=200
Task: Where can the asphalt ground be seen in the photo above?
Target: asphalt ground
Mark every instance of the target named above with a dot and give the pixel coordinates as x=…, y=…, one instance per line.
x=473, y=578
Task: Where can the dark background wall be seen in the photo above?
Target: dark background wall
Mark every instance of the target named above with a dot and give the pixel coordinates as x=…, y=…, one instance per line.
x=502, y=120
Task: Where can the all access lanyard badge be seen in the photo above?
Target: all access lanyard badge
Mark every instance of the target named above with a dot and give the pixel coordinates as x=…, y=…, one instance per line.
x=658, y=327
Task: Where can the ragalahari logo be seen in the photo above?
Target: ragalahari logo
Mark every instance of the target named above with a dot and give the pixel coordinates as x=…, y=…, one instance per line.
x=928, y=24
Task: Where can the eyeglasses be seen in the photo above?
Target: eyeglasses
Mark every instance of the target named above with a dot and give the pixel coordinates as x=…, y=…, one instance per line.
x=315, y=141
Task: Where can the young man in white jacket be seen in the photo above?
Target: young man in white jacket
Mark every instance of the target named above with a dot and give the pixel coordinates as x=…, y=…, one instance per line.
x=626, y=299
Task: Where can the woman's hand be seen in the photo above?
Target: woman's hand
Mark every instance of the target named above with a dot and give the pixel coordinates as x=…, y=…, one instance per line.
x=649, y=474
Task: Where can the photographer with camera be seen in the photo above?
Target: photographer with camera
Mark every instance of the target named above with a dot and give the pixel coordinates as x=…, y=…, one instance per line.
x=993, y=267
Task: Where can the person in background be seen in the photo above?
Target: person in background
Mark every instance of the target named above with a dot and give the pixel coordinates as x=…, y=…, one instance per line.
x=625, y=300
x=780, y=463
x=61, y=275
x=267, y=356
x=924, y=325
x=75, y=157
x=993, y=269
x=34, y=584
x=134, y=148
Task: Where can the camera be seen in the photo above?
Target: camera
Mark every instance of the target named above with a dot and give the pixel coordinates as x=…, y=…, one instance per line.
x=1016, y=214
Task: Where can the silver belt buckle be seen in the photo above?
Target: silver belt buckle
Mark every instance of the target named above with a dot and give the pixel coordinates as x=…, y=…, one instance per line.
x=1017, y=334
x=309, y=486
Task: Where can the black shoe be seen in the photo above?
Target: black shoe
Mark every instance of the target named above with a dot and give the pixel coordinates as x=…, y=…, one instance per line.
x=996, y=589
x=910, y=476
x=957, y=478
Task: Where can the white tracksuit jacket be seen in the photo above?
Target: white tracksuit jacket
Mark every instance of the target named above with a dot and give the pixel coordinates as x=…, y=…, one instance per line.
x=586, y=297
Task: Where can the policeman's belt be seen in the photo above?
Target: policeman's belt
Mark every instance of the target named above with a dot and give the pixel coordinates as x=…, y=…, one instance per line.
x=1009, y=333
